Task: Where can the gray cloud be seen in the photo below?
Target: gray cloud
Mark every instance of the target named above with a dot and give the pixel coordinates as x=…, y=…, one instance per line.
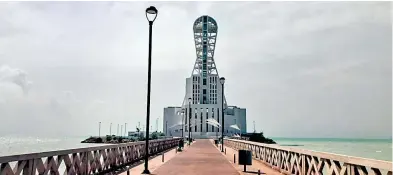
x=15, y=76
x=302, y=69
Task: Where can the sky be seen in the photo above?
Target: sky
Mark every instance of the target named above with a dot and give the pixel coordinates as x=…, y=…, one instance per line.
x=302, y=69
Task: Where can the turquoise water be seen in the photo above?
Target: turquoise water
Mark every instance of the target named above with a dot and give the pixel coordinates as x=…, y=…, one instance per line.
x=380, y=149
x=13, y=145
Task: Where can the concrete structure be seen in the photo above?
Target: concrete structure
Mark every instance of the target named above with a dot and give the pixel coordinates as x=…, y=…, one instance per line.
x=204, y=89
x=135, y=133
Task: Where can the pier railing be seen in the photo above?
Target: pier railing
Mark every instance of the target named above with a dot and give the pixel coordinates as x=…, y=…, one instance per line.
x=289, y=160
x=100, y=159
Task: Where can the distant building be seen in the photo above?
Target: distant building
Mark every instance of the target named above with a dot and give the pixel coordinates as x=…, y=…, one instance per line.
x=204, y=89
x=134, y=133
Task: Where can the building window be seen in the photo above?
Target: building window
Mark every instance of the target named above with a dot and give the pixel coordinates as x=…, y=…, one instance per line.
x=196, y=126
x=207, y=117
x=204, y=81
x=218, y=115
x=196, y=113
x=218, y=118
x=201, y=119
x=213, y=118
x=186, y=115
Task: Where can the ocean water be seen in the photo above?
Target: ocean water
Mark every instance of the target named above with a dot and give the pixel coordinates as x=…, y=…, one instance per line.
x=380, y=149
x=12, y=145
x=368, y=148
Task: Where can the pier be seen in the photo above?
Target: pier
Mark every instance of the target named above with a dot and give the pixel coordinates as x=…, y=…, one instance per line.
x=201, y=157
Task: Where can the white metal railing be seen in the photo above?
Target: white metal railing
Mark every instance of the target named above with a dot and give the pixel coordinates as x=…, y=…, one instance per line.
x=289, y=160
x=101, y=159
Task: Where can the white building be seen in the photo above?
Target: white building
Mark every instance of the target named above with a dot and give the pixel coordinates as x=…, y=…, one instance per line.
x=203, y=93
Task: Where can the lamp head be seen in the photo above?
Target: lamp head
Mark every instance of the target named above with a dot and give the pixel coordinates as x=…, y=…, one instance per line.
x=222, y=80
x=189, y=100
x=151, y=14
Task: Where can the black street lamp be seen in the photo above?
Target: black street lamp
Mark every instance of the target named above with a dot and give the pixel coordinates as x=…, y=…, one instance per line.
x=182, y=124
x=151, y=15
x=222, y=81
x=189, y=121
x=99, y=129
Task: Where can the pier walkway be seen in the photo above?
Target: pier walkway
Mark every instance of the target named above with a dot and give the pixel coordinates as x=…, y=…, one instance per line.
x=202, y=157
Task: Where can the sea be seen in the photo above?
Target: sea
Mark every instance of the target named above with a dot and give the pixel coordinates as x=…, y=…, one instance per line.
x=380, y=149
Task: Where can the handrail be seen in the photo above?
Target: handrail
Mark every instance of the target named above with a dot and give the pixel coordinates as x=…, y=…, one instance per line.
x=83, y=160
x=291, y=160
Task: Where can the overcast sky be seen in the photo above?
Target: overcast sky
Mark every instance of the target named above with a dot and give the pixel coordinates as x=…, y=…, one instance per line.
x=318, y=69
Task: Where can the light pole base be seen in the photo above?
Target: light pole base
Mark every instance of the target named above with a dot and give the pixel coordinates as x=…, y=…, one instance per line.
x=146, y=171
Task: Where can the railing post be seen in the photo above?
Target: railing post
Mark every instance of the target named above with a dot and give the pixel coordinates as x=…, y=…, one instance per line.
x=29, y=168
x=303, y=164
x=279, y=158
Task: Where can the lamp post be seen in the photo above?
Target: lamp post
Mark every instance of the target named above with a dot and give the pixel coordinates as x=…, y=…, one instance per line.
x=99, y=129
x=222, y=81
x=157, y=125
x=189, y=121
x=182, y=124
x=110, y=129
x=125, y=130
x=254, y=126
x=151, y=15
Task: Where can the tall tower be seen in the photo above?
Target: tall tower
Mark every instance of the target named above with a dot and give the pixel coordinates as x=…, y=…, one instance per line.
x=204, y=77
x=205, y=35
x=204, y=89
